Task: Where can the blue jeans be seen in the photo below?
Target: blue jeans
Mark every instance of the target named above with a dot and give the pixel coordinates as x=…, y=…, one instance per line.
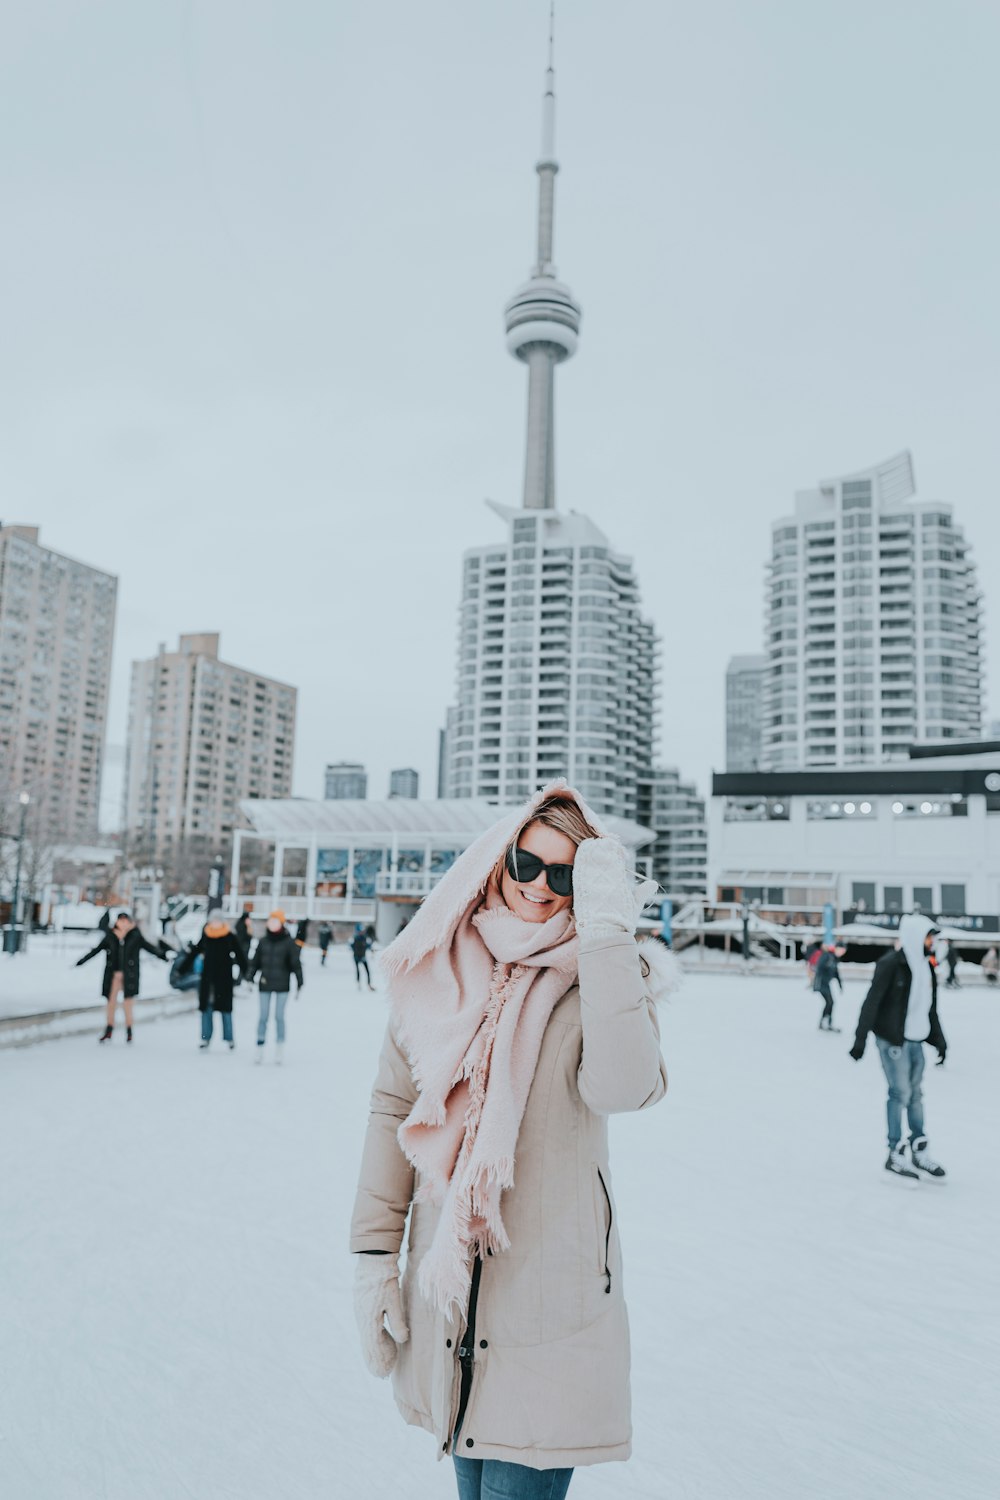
x=904, y=1068
x=492, y=1479
x=208, y=1024
x=280, y=999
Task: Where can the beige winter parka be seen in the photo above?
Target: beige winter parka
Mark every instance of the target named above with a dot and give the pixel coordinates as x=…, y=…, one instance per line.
x=550, y=1384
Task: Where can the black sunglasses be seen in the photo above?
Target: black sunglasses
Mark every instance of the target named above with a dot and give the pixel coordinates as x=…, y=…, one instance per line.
x=525, y=867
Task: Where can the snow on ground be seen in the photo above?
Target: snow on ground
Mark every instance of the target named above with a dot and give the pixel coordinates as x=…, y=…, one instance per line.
x=176, y=1322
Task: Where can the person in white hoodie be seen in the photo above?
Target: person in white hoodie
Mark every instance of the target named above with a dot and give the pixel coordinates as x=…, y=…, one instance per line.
x=901, y=1009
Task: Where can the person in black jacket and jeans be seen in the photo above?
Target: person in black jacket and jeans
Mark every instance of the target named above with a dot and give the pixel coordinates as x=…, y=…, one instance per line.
x=828, y=973
x=901, y=1009
x=276, y=958
x=121, y=945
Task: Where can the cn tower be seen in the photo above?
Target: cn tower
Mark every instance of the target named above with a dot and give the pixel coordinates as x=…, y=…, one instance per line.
x=542, y=319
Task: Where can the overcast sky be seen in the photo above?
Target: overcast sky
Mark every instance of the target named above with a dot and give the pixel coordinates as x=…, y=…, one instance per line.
x=254, y=256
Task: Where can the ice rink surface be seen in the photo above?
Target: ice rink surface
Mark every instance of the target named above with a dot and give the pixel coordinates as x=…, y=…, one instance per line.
x=175, y=1316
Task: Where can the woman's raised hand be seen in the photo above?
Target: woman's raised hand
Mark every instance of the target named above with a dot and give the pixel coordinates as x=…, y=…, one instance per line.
x=606, y=899
x=378, y=1300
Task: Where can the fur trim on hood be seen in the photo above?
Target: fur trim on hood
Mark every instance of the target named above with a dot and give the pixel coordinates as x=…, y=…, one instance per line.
x=664, y=973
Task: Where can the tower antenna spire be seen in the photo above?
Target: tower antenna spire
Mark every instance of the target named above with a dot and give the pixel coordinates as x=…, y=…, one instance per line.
x=542, y=318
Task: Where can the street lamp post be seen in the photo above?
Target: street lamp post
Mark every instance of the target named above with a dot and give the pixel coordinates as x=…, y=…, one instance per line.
x=13, y=941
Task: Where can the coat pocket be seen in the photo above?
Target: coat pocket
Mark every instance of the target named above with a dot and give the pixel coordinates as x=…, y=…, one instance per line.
x=604, y=1220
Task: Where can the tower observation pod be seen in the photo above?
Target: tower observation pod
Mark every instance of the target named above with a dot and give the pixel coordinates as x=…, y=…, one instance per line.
x=543, y=320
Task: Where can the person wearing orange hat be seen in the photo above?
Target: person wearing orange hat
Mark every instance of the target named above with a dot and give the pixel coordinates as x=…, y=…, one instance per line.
x=276, y=958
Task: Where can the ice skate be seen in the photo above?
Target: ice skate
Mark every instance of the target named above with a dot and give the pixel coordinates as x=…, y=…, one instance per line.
x=107, y=1034
x=279, y=1052
x=231, y=1046
x=202, y=1046
x=898, y=1164
x=128, y=1033
x=921, y=1158
x=259, y=1056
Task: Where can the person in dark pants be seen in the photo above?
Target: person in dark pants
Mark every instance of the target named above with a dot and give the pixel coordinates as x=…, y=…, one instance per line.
x=121, y=945
x=952, y=981
x=901, y=1009
x=302, y=932
x=243, y=935
x=325, y=936
x=276, y=958
x=828, y=974
x=360, y=943
x=221, y=954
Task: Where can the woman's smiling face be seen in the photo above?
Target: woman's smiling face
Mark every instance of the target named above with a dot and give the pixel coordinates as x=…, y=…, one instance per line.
x=532, y=900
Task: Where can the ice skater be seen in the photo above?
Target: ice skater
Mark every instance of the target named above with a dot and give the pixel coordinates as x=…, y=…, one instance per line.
x=360, y=944
x=276, y=959
x=122, y=944
x=325, y=936
x=522, y=1003
x=220, y=952
x=901, y=1010
x=828, y=974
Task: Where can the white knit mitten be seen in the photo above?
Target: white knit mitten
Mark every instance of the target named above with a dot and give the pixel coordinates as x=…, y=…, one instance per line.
x=606, y=899
x=377, y=1301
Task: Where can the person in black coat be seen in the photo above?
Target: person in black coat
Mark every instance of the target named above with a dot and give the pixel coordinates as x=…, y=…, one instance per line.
x=276, y=958
x=901, y=1010
x=220, y=953
x=243, y=935
x=360, y=943
x=325, y=936
x=828, y=974
x=121, y=945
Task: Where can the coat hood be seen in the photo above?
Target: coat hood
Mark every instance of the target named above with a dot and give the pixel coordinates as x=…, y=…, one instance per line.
x=435, y=922
x=913, y=930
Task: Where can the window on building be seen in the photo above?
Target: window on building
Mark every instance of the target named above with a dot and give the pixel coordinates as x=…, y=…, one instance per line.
x=952, y=900
x=892, y=898
x=863, y=895
x=923, y=898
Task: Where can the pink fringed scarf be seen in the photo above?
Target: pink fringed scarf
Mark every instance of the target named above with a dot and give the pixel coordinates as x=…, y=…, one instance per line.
x=470, y=1011
x=474, y=1069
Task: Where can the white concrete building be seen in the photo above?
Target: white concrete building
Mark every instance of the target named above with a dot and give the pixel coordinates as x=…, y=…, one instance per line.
x=678, y=856
x=557, y=667
x=57, y=622
x=874, y=842
x=872, y=625
x=746, y=677
x=203, y=734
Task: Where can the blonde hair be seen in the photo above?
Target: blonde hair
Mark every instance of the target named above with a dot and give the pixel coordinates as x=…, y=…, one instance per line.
x=561, y=813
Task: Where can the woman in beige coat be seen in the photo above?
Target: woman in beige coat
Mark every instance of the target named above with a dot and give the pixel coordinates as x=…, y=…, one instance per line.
x=522, y=1017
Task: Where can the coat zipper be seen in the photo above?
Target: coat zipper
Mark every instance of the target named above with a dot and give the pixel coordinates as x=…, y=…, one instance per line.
x=607, y=1237
x=466, y=1351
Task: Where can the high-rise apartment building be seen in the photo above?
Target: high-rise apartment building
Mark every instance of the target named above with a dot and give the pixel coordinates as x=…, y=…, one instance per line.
x=57, y=621
x=344, y=779
x=872, y=624
x=745, y=681
x=557, y=667
x=679, y=856
x=202, y=736
x=404, y=783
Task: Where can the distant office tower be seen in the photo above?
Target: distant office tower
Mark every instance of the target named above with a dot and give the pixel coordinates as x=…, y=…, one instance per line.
x=343, y=779
x=202, y=736
x=57, y=621
x=404, y=783
x=680, y=854
x=873, y=625
x=745, y=681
